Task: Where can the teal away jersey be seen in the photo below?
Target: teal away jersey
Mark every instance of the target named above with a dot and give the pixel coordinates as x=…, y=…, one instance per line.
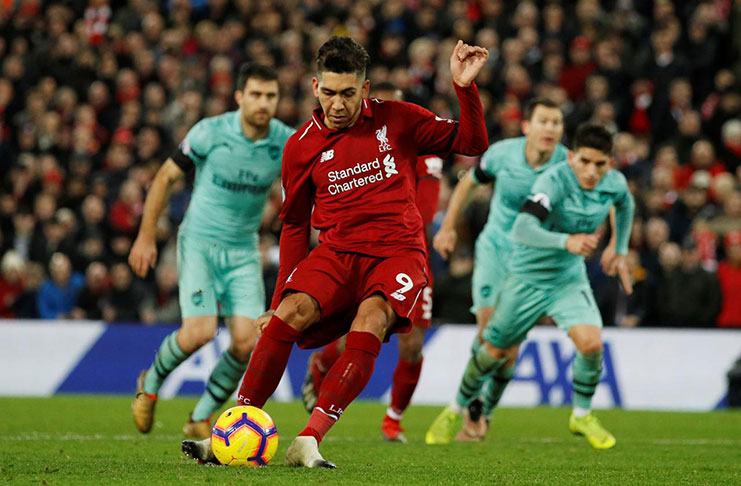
x=233, y=178
x=505, y=162
x=570, y=210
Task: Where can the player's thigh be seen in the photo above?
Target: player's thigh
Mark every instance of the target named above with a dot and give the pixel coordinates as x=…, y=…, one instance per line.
x=240, y=274
x=196, y=278
x=411, y=344
x=489, y=274
x=517, y=310
x=375, y=315
x=243, y=334
x=196, y=331
x=574, y=305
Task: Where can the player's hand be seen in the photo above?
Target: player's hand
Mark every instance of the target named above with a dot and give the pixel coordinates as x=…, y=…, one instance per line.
x=623, y=273
x=143, y=255
x=466, y=62
x=582, y=244
x=444, y=242
x=263, y=321
x=608, y=260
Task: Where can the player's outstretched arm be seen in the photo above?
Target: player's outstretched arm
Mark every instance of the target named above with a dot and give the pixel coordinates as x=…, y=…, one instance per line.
x=447, y=237
x=465, y=64
x=143, y=255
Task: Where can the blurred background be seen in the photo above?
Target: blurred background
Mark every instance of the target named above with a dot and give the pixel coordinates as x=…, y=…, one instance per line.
x=94, y=95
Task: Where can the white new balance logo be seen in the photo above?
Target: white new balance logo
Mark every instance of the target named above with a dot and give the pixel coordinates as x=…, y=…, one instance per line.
x=383, y=141
x=328, y=155
x=389, y=166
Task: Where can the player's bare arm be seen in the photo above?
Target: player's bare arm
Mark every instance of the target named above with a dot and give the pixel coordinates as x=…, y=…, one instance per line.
x=446, y=238
x=143, y=255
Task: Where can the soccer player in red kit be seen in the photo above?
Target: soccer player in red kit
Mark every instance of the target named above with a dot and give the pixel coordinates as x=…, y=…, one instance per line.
x=348, y=172
x=409, y=366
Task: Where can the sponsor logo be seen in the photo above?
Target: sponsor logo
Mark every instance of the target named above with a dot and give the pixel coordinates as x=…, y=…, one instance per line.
x=383, y=141
x=328, y=155
x=389, y=166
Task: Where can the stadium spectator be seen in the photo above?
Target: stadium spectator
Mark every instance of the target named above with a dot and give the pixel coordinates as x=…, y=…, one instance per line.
x=161, y=305
x=729, y=276
x=125, y=301
x=11, y=282
x=26, y=306
x=452, y=293
x=90, y=300
x=688, y=295
x=58, y=295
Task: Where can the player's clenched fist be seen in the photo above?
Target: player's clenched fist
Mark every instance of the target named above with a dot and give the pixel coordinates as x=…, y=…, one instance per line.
x=582, y=244
x=143, y=256
x=466, y=62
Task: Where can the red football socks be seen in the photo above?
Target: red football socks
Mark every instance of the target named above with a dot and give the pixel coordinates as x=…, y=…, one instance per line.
x=406, y=376
x=268, y=363
x=344, y=381
x=323, y=362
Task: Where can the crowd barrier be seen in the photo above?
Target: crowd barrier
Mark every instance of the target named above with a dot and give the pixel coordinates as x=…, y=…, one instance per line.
x=664, y=369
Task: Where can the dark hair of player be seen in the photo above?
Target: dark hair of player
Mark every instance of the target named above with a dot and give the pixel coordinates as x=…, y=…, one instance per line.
x=594, y=136
x=536, y=102
x=342, y=55
x=254, y=70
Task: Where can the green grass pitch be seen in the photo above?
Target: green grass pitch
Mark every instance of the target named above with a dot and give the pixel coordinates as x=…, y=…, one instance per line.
x=92, y=440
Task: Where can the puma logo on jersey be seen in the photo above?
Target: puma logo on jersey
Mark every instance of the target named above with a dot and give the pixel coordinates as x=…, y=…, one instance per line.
x=541, y=199
x=389, y=166
x=383, y=141
x=328, y=155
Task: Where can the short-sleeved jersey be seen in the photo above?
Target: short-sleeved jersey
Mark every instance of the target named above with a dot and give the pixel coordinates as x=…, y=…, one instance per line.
x=505, y=162
x=233, y=178
x=564, y=207
x=361, y=180
x=429, y=172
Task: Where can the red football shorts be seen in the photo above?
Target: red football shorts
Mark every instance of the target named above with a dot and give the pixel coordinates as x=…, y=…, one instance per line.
x=422, y=314
x=340, y=281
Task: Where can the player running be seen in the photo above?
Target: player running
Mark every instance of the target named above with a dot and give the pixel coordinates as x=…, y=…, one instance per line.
x=513, y=164
x=237, y=157
x=553, y=233
x=409, y=366
x=353, y=163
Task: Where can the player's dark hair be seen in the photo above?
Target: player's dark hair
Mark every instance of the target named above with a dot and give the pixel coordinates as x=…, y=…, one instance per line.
x=536, y=102
x=594, y=136
x=254, y=70
x=342, y=55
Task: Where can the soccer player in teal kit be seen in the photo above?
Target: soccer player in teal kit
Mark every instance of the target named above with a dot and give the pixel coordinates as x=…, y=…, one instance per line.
x=553, y=233
x=237, y=157
x=512, y=165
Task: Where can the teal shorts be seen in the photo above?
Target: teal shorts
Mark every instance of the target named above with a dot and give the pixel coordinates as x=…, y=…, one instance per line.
x=219, y=280
x=489, y=272
x=520, y=305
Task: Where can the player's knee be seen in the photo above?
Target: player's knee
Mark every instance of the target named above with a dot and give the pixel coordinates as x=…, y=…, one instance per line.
x=497, y=352
x=298, y=310
x=242, y=347
x=589, y=346
x=192, y=338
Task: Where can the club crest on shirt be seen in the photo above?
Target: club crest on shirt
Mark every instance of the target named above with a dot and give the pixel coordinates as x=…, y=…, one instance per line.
x=383, y=141
x=274, y=152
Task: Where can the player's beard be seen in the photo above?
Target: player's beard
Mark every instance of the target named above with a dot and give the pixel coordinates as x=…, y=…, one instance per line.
x=259, y=120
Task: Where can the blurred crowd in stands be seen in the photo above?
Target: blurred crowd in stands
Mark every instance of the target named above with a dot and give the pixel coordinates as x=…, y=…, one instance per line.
x=94, y=96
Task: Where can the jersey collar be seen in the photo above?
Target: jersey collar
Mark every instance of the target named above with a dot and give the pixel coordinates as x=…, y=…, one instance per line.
x=317, y=117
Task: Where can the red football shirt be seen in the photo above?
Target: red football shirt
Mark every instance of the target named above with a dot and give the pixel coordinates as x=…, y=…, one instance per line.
x=429, y=172
x=357, y=185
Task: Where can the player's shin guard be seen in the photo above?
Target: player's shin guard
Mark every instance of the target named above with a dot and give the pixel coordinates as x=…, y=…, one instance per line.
x=495, y=387
x=406, y=376
x=481, y=365
x=221, y=384
x=344, y=381
x=268, y=363
x=168, y=357
x=587, y=373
